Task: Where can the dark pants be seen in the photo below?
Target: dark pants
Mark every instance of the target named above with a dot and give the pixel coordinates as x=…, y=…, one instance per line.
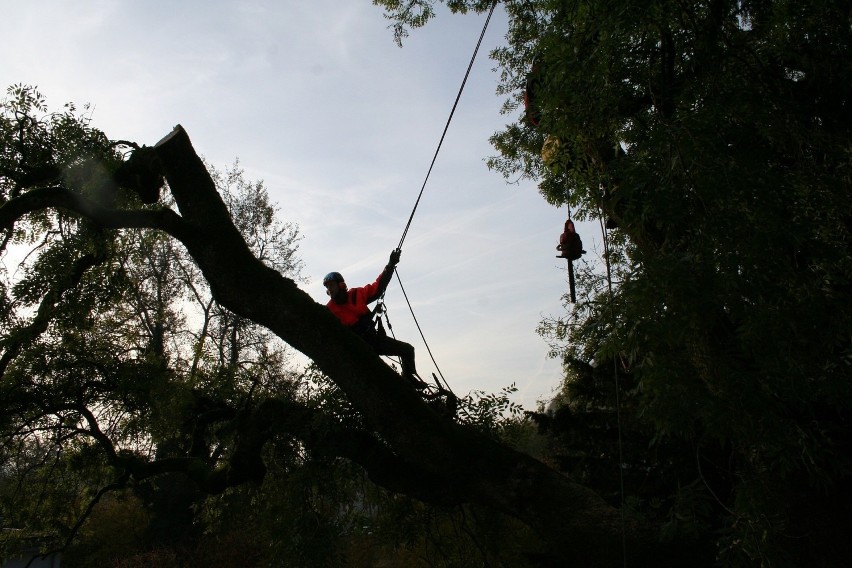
x=384, y=345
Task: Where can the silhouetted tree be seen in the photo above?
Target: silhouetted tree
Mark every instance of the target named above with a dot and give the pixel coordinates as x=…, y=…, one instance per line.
x=715, y=137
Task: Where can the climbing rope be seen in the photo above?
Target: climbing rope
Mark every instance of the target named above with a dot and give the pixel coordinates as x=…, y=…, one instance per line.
x=447, y=126
x=423, y=187
x=617, y=390
x=423, y=337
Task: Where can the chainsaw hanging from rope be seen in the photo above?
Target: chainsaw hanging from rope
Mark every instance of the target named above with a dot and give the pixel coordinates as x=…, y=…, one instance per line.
x=571, y=247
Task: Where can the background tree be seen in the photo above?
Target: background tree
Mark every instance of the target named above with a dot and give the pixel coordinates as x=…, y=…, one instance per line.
x=716, y=137
x=141, y=421
x=130, y=349
x=127, y=386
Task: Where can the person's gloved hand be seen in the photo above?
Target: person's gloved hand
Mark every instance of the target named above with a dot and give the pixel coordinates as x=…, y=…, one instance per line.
x=394, y=257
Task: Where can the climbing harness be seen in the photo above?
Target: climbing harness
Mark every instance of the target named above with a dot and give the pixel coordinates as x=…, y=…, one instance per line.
x=378, y=311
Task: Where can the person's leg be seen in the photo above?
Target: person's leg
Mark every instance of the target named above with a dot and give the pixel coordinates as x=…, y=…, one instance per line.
x=401, y=349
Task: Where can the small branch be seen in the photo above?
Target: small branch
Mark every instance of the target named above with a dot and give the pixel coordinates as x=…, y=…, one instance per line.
x=95, y=432
x=103, y=491
x=7, y=237
x=15, y=340
x=117, y=143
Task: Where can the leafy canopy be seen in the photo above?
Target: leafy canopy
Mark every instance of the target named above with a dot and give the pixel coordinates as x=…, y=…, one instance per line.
x=715, y=138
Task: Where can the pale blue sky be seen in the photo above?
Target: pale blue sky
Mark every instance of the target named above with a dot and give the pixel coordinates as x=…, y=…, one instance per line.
x=341, y=124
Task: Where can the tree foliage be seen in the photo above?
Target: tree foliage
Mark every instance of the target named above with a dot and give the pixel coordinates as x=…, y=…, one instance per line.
x=112, y=340
x=707, y=386
x=715, y=137
x=141, y=379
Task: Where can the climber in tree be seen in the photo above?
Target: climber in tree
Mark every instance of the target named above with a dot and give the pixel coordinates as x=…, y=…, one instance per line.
x=351, y=308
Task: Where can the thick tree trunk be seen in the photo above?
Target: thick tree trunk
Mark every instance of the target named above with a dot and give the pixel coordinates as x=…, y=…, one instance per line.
x=415, y=449
x=471, y=467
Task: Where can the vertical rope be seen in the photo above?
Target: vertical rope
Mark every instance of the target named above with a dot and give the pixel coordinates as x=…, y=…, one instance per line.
x=426, y=179
x=617, y=393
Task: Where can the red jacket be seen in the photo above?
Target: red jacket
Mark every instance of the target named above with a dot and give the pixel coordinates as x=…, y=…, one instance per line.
x=355, y=307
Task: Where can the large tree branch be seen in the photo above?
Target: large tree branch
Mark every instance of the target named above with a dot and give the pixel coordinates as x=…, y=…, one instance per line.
x=467, y=463
x=61, y=198
x=419, y=448
x=325, y=437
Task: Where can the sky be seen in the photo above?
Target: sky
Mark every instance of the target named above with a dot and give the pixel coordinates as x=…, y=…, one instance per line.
x=316, y=99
